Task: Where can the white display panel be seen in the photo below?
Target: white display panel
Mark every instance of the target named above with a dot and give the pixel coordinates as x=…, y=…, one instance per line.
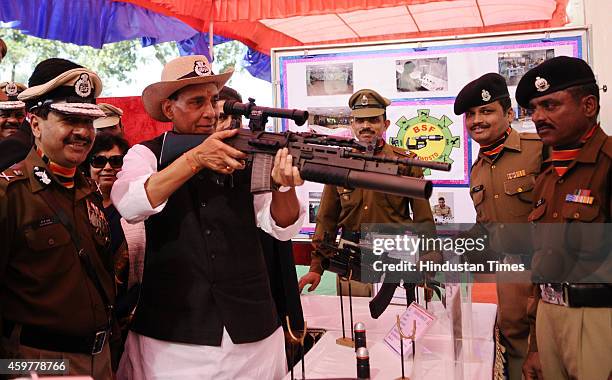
x=422, y=80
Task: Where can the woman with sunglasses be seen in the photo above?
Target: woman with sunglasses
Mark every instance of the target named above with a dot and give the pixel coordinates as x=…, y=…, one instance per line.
x=104, y=162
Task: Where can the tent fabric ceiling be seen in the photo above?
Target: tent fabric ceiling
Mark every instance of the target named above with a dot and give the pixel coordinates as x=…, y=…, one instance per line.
x=266, y=24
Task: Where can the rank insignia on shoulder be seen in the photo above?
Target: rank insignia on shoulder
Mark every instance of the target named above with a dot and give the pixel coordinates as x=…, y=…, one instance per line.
x=540, y=202
x=582, y=196
x=7, y=177
x=41, y=175
x=478, y=188
x=516, y=174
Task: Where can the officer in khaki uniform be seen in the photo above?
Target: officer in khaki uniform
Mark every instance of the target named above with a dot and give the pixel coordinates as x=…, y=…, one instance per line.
x=572, y=235
x=12, y=111
x=501, y=187
x=56, y=299
x=347, y=209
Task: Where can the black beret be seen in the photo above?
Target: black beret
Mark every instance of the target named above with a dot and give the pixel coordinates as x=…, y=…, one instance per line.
x=553, y=75
x=484, y=90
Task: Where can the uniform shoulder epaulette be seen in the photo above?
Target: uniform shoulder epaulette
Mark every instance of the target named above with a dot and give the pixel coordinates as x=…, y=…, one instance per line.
x=403, y=152
x=529, y=136
x=11, y=175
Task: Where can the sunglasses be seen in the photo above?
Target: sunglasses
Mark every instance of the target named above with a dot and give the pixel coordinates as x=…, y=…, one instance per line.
x=98, y=162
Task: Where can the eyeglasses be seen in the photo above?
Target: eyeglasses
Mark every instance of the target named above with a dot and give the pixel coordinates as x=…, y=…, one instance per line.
x=98, y=162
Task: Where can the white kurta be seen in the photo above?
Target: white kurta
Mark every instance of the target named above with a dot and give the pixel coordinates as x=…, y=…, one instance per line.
x=148, y=358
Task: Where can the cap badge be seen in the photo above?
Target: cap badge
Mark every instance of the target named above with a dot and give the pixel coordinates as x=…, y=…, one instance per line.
x=83, y=86
x=364, y=100
x=11, y=89
x=41, y=175
x=200, y=68
x=541, y=84
x=486, y=96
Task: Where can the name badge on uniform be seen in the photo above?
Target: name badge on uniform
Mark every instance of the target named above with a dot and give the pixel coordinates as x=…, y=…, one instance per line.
x=478, y=188
x=582, y=196
x=516, y=174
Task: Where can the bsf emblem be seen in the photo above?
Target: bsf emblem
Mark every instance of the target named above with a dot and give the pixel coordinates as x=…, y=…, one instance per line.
x=11, y=89
x=200, y=68
x=83, y=86
x=541, y=84
x=486, y=96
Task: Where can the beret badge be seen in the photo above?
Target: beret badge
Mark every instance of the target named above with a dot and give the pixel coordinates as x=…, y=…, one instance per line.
x=541, y=84
x=486, y=96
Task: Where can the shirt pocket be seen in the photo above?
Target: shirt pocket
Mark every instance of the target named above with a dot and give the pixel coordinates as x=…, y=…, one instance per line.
x=349, y=198
x=477, y=198
x=584, y=238
x=50, y=251
x=522, y=189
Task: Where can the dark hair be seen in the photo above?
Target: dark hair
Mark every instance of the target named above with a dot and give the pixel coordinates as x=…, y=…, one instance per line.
x=579, y=92
x=3, y=49
x=42, y=111
x=441, y=199
x=505, y=103
x=104, y=141
x=228, y=93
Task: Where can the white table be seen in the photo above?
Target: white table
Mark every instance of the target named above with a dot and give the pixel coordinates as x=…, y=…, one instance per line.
x=328, y=360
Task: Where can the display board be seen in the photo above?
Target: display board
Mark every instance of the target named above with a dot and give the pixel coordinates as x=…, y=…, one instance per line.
x=422, y=80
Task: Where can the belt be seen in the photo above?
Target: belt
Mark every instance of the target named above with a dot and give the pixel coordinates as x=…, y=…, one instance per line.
x=37, y=337
x=577, y=295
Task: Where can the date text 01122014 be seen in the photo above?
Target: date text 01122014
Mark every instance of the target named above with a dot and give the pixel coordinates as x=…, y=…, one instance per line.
x=39, y=366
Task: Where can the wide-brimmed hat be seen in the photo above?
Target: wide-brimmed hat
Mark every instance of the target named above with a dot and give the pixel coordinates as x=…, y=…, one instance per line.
x=177, y=74
x=65, y=86
x=9, y=92
x=112, y=118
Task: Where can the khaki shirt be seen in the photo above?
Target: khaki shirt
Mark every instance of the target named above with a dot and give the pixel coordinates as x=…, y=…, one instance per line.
x=502, y=191
x=43, y=281
x=439, y=211
x=349, y=208
x=561, y=250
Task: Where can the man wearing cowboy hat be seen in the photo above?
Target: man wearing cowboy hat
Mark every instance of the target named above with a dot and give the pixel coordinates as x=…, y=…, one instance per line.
x=12, y=111
x=205, y=309
x=111, y=123
x=57, y=287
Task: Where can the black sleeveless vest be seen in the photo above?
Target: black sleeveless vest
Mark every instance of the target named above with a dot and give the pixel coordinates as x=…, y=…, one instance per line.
x=204, y=268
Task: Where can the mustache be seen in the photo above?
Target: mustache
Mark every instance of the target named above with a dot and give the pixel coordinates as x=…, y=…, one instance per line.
x=543, y=125
x=77, y=139
x=368, y=130
x=481, y=125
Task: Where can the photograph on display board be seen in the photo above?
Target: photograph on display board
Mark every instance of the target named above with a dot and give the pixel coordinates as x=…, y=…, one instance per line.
x=522, y=119
x=313, y=209
x=514, y=64
x=330, y=120
x=423, y=74
x=331, y=79
x=442, y=207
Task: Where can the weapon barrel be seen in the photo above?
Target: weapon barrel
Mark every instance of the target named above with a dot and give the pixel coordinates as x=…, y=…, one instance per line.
x=384, y=183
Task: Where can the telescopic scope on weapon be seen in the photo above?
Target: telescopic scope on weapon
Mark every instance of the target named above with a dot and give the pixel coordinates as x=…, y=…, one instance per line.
x=249, y=110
